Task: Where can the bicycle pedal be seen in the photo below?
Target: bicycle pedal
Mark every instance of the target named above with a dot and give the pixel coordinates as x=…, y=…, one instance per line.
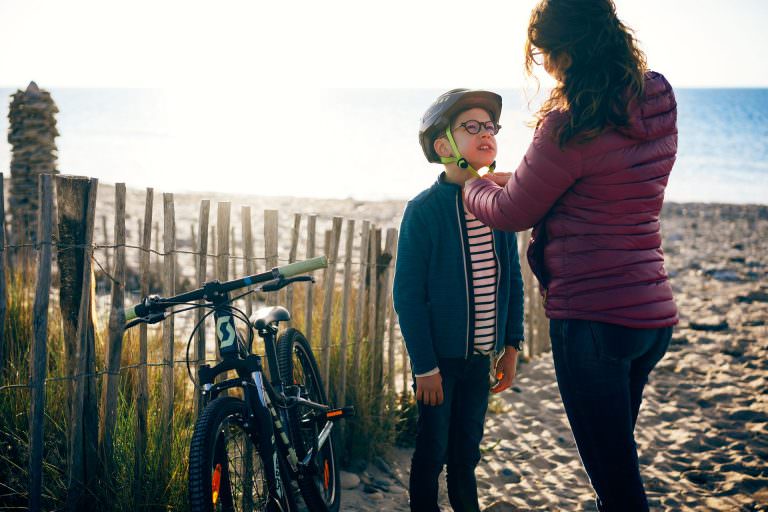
x=337, y=414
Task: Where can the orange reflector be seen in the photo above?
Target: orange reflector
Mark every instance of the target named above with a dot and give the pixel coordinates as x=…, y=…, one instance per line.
x=500, y=375
x=326, y=475
x=215, y=483
x=333, y=414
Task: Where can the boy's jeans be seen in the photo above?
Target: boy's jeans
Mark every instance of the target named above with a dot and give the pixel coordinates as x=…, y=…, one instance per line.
x=449, y=434
x=601, y=371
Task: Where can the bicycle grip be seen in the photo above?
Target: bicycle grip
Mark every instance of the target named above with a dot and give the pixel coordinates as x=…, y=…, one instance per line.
x=130, y=314
x=301, y=267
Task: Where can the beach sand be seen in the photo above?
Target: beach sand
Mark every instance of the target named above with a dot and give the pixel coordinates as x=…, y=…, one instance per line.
x=702, y=433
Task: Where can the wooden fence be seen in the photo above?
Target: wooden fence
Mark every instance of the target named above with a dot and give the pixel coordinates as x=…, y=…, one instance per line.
x=356, y=293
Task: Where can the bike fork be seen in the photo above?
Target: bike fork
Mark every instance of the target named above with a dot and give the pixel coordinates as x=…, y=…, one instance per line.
x=267, y=421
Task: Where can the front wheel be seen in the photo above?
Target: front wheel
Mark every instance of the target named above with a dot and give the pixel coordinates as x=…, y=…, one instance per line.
x=226, y=469
x=321, y=488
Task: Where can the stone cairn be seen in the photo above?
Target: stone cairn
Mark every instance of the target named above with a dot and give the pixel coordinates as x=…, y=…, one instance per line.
x=31, y=133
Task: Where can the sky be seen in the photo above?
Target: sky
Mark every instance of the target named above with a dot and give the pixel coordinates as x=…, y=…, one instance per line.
x=266, y=88
x=347, y=43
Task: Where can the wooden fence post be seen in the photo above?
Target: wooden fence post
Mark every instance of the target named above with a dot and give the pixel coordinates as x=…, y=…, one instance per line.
x=167, y=388
x=157, y=250
x=270, y=247
x=38, y=354
x=311, y=224
x=82, y=457
x=361, y=297
x=142, y=385
x=116, y=329
x=374, y=254
x=245, y=213
x=329, y=282
x=391, y=250
x=222, y=229
x=3, y=293
x=349, y=243
x=232, y=259
x=213, y=249
x=201, y=272
x=292, y=258
x=536, y=325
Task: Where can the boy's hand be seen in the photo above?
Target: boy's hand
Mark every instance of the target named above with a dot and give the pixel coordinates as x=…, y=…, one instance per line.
x=506, y=367
x=430, y=389
x=499, y=178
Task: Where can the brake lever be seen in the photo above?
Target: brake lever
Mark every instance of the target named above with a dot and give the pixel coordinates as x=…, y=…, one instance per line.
x=152, y=318
x=282, y=282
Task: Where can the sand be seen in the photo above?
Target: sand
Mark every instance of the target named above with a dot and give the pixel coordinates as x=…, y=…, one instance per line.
x=702, y=434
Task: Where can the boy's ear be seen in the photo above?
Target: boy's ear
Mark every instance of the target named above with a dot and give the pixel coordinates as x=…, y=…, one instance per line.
x=442, y=147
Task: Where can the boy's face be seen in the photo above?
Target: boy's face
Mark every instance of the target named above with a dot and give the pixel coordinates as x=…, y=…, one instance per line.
x=479, y=149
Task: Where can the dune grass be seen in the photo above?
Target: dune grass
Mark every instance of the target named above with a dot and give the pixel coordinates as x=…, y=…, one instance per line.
x=164, y=485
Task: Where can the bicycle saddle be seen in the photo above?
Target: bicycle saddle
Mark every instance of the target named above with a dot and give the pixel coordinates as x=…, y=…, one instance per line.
x=268, y=315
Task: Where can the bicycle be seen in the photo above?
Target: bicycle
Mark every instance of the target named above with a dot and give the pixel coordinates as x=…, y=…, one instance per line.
x=248, y=450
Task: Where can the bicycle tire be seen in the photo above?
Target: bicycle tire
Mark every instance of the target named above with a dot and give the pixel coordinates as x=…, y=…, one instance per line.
x=297, y=366
x=219, y=460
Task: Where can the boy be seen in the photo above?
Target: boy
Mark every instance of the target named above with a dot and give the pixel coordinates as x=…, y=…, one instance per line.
x=459, y=296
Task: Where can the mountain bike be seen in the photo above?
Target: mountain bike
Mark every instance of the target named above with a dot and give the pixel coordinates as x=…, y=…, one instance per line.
x=261, y=435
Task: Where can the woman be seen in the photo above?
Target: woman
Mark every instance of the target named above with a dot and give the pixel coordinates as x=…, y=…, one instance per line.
x=592, y=185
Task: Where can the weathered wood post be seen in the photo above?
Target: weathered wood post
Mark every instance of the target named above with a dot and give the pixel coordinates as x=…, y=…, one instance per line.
x=391, y=250
x=346, y=292
x=233, y=253
x=270, y=247
x=311, y=226
x=292, y=258
x=223, y=209
x=329, y=282
x=248, y=267
x=39, y=352
x=169, y=289
x=142, y=385
x=222, y=235
x=361, y=298
x=373, y=351
x=77, y=206
x=116, y=330
x=202, y=264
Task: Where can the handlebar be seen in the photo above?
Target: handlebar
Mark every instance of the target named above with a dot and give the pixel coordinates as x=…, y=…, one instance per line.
x=152, y=307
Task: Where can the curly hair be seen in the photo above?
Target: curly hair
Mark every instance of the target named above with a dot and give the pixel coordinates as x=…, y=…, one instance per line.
x=607, y=67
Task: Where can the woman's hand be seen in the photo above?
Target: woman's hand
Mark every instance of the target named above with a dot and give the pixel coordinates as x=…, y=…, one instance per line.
x=499, y=178
x=429, y=389
x=506, y=367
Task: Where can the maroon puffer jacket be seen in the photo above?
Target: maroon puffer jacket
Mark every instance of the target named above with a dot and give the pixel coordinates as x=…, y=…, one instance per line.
x=596, y=247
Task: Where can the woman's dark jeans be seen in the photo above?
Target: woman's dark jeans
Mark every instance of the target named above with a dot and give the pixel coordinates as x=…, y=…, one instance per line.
x=601, y=371
x=449, y=434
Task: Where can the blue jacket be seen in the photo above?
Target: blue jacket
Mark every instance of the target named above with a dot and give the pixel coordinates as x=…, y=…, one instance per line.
x=433, y=293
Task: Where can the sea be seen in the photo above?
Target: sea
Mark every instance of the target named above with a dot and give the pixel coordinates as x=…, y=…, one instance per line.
x=353, y=143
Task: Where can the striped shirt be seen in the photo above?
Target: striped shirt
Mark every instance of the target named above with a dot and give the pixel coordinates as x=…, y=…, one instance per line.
x=484, y=269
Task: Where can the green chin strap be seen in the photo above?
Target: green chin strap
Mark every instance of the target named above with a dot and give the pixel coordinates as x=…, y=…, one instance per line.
x=458, y=159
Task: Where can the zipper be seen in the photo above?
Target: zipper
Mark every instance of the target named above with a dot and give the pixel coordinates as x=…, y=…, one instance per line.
x=460, y=218
x=498, y=280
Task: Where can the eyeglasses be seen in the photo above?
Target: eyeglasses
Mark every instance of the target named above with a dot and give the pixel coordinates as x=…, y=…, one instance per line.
x=537, y=56
x=473, y=127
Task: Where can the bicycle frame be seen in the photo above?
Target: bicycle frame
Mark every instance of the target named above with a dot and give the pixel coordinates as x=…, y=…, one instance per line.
x=259, y=395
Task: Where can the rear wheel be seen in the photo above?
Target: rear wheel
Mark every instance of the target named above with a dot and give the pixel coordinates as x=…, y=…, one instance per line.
x=226, y=470
x=320, y=488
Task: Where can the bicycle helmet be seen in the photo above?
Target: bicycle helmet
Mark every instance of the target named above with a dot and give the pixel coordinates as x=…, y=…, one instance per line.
x=438, y=116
